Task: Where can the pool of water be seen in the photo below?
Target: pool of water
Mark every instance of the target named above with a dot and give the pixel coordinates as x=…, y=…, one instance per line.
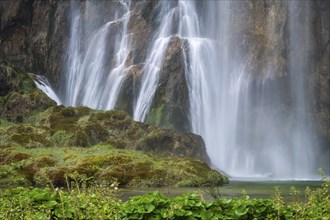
x=235, y=189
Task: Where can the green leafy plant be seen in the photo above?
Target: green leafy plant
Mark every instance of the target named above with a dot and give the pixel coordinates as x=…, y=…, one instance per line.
x=84, y=199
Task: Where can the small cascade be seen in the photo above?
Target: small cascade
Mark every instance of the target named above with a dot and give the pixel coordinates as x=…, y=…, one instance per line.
x=153, y=63
x=43, y=84
x=175, y=21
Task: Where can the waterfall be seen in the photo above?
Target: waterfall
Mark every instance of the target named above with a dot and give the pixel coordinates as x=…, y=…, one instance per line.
x=233, y=110
x=90, y=81
x=304, y=149
x=42, y=83
x=240, y=115
x=153, y=62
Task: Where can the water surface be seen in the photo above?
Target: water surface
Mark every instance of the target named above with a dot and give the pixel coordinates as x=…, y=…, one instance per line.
x=235, y=189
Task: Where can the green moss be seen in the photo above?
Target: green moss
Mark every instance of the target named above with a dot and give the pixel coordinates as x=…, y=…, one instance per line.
x=33, y=166
x=114, y=119
x=11, y=177
x=80, y=139
x=151, y=140
x=5, y=146
x=31, y=140
x=83, y=111
x=119, y=143
x=155, y=116
x=5, y=123
x=61, y=138
x=96, y=133
x=54, y=175
x=8, y=156
x=105, y=163
x=16, y=78
x=29, y=136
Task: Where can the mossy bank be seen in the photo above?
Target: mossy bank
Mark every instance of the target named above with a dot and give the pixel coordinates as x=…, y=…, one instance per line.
x=41, y=143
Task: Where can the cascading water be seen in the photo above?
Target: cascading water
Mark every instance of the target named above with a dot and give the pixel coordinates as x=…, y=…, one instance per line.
x=90, y=81
x=232, y=109
x=42, y=83
x=153, y=62
x=304, y=149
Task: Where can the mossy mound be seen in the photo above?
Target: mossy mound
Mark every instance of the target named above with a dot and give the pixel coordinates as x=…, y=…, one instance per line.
x=102, y=145
x=103, y=164
x=42, y=143
x=19, y=97
x=84, y=127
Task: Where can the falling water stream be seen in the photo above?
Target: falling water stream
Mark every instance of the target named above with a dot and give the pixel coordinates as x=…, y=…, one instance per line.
x=228, y=107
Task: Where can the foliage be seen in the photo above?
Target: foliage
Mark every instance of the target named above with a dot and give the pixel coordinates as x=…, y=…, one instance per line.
x=78, y=201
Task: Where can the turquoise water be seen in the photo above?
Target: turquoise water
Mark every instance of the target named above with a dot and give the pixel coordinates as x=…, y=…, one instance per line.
x=235, y=189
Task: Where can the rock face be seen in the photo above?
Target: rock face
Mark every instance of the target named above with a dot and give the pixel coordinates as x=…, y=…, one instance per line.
x=170, y=108
x=320, y=96
x=34, y=35
x=319, y=83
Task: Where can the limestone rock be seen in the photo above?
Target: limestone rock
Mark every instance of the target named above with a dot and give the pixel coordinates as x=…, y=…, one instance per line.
x=170, y=108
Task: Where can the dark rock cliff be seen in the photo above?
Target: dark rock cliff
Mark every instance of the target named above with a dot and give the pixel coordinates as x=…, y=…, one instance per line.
x=34, y=35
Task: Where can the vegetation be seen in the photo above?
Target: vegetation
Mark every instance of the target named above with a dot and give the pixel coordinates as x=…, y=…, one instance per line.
x=61, y=162
x=41, y=142
x=38, y=166
x=78, y=201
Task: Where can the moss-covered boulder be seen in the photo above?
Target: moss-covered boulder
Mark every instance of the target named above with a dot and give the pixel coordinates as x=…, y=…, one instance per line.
x=19, y=97
x=83, y=127
x=105, y=146
x=102, y=164
x=42, y=143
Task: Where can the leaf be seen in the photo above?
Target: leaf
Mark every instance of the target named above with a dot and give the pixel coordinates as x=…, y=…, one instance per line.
x=241, y=211
x=149, y=208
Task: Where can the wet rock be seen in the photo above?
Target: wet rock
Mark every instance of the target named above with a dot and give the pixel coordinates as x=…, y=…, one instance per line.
x=129, y=89
x=170, y=107
x=320, y=95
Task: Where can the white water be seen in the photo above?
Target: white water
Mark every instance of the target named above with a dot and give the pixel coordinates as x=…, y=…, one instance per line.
x=304, y=151
x=153, y=63
x=90, y=81
x=241, y=135
x=229, y=108
x=42, y=83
